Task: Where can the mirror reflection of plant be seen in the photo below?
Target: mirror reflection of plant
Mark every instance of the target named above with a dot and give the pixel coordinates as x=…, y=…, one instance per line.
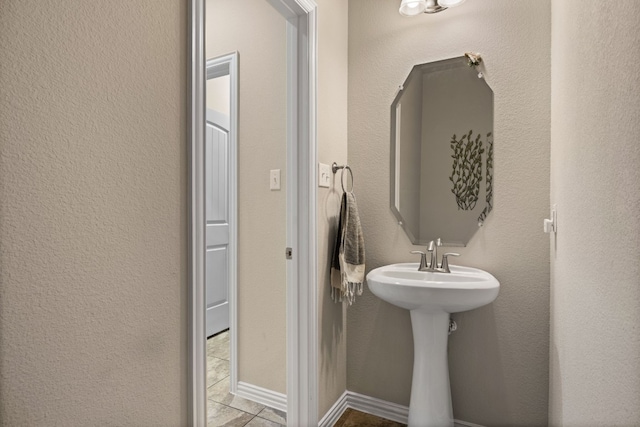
x=467, y=170
x=489, y=180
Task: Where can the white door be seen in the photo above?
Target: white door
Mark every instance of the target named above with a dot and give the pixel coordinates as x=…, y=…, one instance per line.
x=216, y=151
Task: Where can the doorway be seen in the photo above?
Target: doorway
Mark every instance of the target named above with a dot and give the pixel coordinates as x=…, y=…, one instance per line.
x=221, y=231
x=299, y=182
x=262, y=194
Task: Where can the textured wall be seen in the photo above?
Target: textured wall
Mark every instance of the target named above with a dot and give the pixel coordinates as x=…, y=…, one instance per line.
x=595, y=165
x=332, y=147
x=499, y=355
x=93, y=222
x=262, y=146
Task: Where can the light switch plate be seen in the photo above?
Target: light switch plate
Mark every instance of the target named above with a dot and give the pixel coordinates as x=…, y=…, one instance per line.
x=324, y=175
x=274, y=180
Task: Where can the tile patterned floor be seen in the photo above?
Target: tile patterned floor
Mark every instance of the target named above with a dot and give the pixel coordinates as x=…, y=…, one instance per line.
x=225, y=409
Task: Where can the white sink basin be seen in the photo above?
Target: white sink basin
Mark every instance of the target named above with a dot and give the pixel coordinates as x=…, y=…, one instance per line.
x=431, y=297
x=463, y=289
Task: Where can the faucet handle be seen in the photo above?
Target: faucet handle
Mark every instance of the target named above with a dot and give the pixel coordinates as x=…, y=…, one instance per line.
x=431, y=247
x=423, y=260
x=445, y=261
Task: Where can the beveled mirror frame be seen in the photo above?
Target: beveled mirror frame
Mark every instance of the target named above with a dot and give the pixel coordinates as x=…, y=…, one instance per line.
x=302, y=343
x=455, y=63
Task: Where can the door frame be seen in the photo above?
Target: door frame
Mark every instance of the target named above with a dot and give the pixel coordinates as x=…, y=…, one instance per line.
x=302, y=331
x=218, y=67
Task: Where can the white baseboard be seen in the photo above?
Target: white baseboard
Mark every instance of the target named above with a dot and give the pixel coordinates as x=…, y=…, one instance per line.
x=335, y=412
x=270, y=398
x=371, y=405
x=378, y=407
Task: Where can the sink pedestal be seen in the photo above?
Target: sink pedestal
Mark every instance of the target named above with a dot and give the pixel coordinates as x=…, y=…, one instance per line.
x=430, y=297
x=430, y=404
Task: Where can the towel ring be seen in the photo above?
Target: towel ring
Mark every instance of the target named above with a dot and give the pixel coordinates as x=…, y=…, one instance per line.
x=334, y=169
x=342, y=179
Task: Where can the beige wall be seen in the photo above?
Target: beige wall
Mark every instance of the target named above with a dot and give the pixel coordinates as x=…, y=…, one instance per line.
x=93, y=228
x=595, y=181
x=499, y=355
x=332, y=147
x=259, y=37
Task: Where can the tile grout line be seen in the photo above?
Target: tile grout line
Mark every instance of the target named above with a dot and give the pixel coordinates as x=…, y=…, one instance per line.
x=217, y=382
x=253, y=416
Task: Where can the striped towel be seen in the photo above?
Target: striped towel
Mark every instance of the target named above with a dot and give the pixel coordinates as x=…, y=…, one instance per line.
x=347, y=265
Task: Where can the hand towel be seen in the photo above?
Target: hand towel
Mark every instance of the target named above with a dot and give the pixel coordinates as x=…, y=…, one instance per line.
x=347, y=266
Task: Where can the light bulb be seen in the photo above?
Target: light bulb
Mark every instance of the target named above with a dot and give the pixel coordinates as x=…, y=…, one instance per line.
x=450, y=3
x=412, y=7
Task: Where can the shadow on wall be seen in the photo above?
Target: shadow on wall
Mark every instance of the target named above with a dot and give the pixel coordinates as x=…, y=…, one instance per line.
x=332, y=327
x=478, y=359
x=381, y=341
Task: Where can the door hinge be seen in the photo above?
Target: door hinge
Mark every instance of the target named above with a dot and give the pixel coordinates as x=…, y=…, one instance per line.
x=288, y=253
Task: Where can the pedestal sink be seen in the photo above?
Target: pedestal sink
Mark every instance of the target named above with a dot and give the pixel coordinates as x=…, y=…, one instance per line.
x=431, y=297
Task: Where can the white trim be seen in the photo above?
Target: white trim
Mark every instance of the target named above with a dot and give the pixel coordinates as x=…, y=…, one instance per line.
x=371, y=405
x=378, y=407
x=292, y=224
x=196, y=233
x=285, y=9
x=302, y=342
x=263, y=396
x=335, y=412
x=307, y=5
x=218, y=67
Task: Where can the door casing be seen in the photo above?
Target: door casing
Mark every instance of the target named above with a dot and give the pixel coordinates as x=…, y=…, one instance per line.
x=218, y=67
x=302, y=343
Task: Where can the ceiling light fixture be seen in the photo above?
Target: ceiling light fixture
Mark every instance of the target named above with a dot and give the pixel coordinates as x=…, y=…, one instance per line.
x=416, y=7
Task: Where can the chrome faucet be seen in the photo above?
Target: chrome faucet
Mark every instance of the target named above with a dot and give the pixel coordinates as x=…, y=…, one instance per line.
x=444, y=267
x=433, y=250
x=432, y=265
x=423, y=260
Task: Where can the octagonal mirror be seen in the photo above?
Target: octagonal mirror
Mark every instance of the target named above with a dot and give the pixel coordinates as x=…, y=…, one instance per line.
x=442, y=152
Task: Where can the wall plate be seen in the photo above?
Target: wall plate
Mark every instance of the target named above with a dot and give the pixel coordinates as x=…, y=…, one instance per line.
x=324, y=175
x=274, y=180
